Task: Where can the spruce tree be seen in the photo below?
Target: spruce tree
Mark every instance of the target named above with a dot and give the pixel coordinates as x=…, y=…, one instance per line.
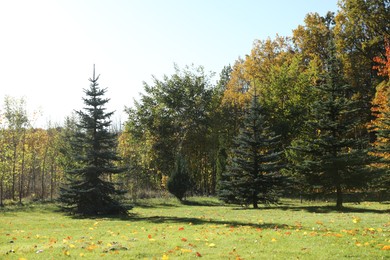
x=334, y=156
x=88, y=191
x=252, y=175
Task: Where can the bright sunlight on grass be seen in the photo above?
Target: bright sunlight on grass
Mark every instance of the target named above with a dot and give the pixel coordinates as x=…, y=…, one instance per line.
x=202, y=228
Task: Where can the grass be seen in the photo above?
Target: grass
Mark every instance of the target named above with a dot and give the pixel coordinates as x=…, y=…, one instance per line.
x=203, y=227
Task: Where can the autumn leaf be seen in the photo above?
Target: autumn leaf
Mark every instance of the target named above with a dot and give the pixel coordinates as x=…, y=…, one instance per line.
x=184, y=239
x=91, y=247
x=197, y=254
x=356, y=220
x=181, y=228
x=212, y=245
x=165, y=257
x=387, y=247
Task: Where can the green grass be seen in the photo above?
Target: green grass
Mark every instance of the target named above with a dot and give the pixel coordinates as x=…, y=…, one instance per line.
x=165, y=229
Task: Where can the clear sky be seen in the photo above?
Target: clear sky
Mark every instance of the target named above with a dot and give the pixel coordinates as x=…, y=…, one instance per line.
x=48, y=47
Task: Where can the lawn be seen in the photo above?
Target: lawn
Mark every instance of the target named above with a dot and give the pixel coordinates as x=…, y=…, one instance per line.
x=203, y=228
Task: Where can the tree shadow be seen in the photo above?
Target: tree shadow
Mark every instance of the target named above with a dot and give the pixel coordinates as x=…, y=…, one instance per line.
x=204, y=203
x=329, y=209
x=147, y=205
x=198, y=221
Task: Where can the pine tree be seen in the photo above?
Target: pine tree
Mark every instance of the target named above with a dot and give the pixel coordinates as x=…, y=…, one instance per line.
x=334, y=156
x=179, y=181
x=88, y=191
x=252, y=175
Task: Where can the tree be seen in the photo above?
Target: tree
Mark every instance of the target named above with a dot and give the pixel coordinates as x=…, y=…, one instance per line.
x=252, y=175
x=175, y=112
x=333, y=155
x=17, y=119
x=360, y=32
x=88, y=191
x=381, y=123
x=179, y=181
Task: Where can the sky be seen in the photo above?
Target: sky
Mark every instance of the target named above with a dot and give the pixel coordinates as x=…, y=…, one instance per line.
x=48, y=47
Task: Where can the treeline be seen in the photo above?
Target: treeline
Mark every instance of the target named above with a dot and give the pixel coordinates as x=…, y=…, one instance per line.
x=189, y=119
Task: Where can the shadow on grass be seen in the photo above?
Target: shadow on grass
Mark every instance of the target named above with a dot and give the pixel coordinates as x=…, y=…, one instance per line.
x=147, y=205
x=329, y=209
x=176, y=203
x=30, y=207
x=193, y=221
x=203, y=203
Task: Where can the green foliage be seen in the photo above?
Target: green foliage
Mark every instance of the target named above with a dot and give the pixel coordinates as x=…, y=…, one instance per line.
x=88, y=190
x=179, y=181
x=252, y=175
x=333, y=156
x=175, y=112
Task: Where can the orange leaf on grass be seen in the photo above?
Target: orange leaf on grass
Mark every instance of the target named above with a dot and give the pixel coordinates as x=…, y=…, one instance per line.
x=198, y=254
x=386, y=247
x=184, y=239
x=181, y=228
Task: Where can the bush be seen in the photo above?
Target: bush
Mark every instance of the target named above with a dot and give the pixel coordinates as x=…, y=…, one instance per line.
x=179, y=181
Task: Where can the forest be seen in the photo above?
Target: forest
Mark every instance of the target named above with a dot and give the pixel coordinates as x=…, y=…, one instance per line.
x=304, y=115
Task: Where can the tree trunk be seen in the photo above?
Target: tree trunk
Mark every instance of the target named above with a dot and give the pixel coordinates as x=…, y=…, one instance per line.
x=13, y=174
x=339, y=197
x=52, y=177
x=21, y=178
x=1, y=192
x=254, y=201
x=43, y=173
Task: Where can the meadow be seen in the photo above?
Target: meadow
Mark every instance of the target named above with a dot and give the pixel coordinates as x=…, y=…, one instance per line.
x=201, y=228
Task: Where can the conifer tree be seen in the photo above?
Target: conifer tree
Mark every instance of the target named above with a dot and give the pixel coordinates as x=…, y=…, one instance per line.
x=179, y=181
x=252, y=175
x=334, y=155
x=88, y=190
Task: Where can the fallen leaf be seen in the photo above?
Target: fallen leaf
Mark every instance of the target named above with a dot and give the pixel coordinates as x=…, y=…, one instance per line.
x=387, y=247
x=197, y=254
x=356, y=220
x=184, y=239
x=212, y=245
